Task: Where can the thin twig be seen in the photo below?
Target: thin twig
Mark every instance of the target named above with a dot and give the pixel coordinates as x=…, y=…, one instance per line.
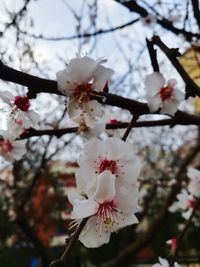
x=130, y=126
x=63, y=260
x=182, y=234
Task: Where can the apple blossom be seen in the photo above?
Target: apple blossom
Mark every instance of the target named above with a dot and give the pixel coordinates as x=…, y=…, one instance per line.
x=113, y=155
x=20, y=115
x=10, y=149
x=77, y=81
x=164, y=263
x=109, y=208
x=194, y=184
x=160, y=95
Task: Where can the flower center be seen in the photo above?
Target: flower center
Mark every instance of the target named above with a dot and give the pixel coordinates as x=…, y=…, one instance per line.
x=192, y=203
x=109, y=165
x=6, y=146
x=82, y=92
x=166, y=93
x=114, y=121
x=107, y=215
x=22, y=102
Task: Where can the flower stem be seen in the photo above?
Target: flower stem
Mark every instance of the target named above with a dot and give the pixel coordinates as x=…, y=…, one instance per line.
x=62, y=261
x=182, y=234
x=130, y=126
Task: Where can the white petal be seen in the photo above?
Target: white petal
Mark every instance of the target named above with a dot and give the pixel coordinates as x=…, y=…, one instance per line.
x=153, y=83
x=169, y=107
x=127, y=198
x=33, y=116
x=193, y=173
x=74, y=110
x=82, y=69
x=154, y=103
x=65, y=85
x=84, y=208
x=172, y=82
x=74, y=196
x=91, y=237
x=102, y=75
x=125, y=220
x=105, y=187
x=179, y=95
x=7, y=97
x=164, y=262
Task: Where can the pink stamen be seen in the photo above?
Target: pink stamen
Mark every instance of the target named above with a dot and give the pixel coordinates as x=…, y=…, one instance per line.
x=166, y=93
x=6, y=146
x=109, y=165
x=192, y=203
x=82, y=92
x=114, y=121
x=22, y=102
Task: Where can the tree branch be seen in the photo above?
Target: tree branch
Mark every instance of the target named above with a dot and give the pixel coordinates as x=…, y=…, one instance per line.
x=134, y=7
x=196, y=11
x=192, y=89
x=78, y=36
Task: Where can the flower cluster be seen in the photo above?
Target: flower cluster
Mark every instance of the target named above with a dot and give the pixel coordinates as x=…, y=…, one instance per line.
x=188, y=198
x=19, y=118
x=160, y=95
x=78, y=81
x=107, y=185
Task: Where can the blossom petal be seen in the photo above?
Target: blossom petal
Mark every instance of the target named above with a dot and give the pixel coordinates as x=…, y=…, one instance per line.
x=7, y=97
x=101, y=76
x=153, y=83
x=82, y=69
x=154, y=103
x=91, y=237
x=169, y=107
x=84, y=208
x=105, y=190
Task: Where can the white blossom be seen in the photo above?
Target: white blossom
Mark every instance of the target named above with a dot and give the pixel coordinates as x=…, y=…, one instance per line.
x=160, y=95
x=87, y=131
x=20, y=116
x=185, y=204
x=164, y=263
x=77, y=81
x=194, y=184
x=10, y=149
x=109, y=208
x=113, y=155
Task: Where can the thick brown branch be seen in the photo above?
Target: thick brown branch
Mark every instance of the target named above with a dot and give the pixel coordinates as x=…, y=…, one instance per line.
x=39, y=85
x=181, y=118
x=36, y=85
x=196, y=11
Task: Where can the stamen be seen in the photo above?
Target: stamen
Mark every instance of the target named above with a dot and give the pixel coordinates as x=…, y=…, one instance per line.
x=105, y=164
x=166, y=93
